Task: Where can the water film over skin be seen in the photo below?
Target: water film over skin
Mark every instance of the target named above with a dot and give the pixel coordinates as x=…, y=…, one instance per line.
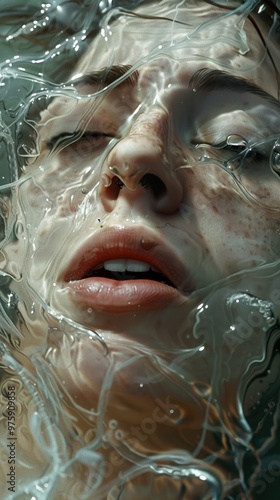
x=140, y=263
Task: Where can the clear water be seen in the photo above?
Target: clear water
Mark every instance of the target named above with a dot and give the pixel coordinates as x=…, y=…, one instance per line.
x=191, y=411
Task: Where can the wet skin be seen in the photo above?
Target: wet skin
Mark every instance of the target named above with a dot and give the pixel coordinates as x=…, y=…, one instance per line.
x=134, y=178
x=141, y=172
x=134, y=185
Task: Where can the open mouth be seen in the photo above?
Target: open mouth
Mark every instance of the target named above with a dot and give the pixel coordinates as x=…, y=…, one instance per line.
x=125, y=270
x=128, y=269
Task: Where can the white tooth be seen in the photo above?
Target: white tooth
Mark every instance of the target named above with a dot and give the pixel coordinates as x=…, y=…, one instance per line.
x=122, y=265
x=137, y=266
x=118, y=265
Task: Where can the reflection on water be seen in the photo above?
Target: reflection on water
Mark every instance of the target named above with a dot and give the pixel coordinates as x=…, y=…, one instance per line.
x=186, y=406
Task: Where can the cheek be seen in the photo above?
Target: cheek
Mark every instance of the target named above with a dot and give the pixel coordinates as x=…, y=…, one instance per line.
x=55, y=196
x=69, y=177
x=235, y=233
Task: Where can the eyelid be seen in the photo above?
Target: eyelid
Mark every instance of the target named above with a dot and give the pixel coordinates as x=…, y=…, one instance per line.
x=241, y=148
x=65, y=139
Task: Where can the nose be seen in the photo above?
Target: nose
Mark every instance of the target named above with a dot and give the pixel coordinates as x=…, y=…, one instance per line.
x=140, y=165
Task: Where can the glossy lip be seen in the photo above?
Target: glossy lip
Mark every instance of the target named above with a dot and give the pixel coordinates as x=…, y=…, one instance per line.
x=111, y=295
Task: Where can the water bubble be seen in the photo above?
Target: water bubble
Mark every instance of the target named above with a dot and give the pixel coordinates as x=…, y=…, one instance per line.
x=233, y=164
x=105, y=5
x=119, y=434
x=236, y=140
x=12, y=301
x=113, y=424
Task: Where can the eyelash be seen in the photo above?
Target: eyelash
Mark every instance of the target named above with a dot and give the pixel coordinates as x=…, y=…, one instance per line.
x=239, y=152
x=77, y=140
x=246, y=153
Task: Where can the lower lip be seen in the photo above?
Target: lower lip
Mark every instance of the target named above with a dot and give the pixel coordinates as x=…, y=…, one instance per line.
x=103, y=294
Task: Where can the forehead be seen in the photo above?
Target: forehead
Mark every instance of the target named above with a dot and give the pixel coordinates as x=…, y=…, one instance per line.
x=194, y=36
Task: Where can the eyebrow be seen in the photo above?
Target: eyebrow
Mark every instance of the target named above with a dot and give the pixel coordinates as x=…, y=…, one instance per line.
x=204, y=79
x=107, y=76
x=216, y=80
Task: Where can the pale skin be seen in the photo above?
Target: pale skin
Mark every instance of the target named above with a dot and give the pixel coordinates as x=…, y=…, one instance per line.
x=137, y=171
x=210, y=229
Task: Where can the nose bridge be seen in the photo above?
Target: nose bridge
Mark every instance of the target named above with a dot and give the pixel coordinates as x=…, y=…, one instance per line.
x=140, y=165
x=152, y=124
x=143, y=149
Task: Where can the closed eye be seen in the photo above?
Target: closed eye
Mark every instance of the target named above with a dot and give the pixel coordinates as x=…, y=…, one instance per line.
x=80, y=142
x=239, y=148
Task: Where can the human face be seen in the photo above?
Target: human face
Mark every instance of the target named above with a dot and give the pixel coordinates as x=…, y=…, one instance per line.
x=132, y=187
x=147, y=184
x=142, y=181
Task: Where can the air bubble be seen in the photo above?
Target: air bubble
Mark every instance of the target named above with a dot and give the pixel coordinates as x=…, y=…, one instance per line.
x=233, y=164
x=236, y=141
x=119, y=434
x=113, y=424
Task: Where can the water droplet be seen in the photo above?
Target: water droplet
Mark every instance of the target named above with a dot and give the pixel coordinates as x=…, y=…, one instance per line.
x=237, y=141
x=233, y=164
x=113, y=424
x=119, y=434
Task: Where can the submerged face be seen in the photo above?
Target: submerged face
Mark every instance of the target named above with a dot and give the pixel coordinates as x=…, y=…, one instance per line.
x=153, y=183
x=160, y=185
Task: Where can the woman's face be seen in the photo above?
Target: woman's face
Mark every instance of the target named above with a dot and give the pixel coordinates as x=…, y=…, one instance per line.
x=145, y=196
x=133, y=203
x=150, y=190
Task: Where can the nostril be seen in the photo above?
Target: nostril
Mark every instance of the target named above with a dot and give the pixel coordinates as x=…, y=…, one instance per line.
x=155, y=184
x=113, y=187
x=117, y=182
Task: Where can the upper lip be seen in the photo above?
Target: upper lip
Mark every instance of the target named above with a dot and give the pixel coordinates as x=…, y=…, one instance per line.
x=128, y=243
